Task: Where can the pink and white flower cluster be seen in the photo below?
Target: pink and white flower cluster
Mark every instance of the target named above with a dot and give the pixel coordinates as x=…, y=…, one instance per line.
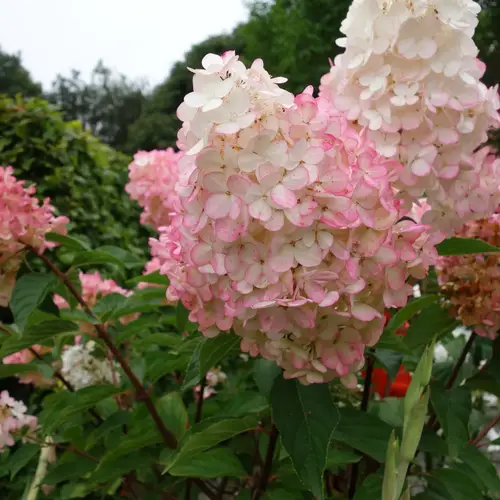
x=152, y=179
x=410, y=77
x=471, y=283
x=288, y=227
x=23, y=221
x=13, y=420
x=214, y=377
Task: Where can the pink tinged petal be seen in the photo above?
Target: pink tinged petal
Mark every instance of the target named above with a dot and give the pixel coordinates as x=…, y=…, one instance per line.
x=449, y=172
x=296, y=179
x=283, y=197
x=364, y=312
x=228, y=230
x=386, y=256
x=396, y=277
x=407, y=252
x=325, y=239
x=315, y=291
x=253, y=273
x=420, y=167
x=276, y=222
x=283, y=261
x=212, y=62
x=308, y=256
x=314, y=155
x=218, y=206
x=215, y=182
x=260, y=210
x=201, y=254
x=330, y=299
x=238, y=185
x=448, y=136
x=246, y=120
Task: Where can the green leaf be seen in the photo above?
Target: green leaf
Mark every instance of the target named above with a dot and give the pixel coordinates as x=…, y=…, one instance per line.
x=182, y=316
x=464, y=246
x=245, y=403
x=213, y=350
x=154, y=277
x=109, y=304
x=198, y=441
x=29, y=292
x=453, y=485
x=68, y=242
x=432, y=322
x=193, y=373
x=407, y=312
x=392, y=342
x=488, y=379
x=370, y=489
x=213, y=463
x=390, y=360
x=306, y=419
x=109, y=470
x=17, y=369
x=264, y=372
x=118, y=419
x=128, y=259
x=174, y=413
x=481, y=467
x=277, y=493
x=21, y=457
x=37, y=334
x=75, y=468
x=372, y=441
x=159, y=339
x=161, y=363
x=337, y=457
x=453, y=410
x=92, y=257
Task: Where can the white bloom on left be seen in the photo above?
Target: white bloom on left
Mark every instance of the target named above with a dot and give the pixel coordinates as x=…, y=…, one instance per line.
x=82, y=369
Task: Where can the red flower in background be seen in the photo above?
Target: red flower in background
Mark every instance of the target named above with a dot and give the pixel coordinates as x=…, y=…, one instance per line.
x=382, y=384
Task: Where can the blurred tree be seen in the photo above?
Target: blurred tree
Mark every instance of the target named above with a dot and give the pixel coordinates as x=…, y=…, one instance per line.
x=84, y=177
x=14, y=78
x=106, y=106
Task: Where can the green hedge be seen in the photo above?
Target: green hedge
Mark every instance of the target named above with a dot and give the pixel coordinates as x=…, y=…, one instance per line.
x=84, y=178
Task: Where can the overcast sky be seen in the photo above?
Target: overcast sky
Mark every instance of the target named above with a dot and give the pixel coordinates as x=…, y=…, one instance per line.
x=140, y=38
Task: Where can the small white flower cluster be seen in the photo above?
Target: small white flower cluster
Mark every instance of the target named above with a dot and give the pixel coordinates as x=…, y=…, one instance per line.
x=214, y=377
x=82, y=369
x=411, y=77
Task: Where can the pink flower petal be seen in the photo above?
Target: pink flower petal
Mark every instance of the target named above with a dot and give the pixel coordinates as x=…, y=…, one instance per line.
x=218, y=206
x=283, y=197
x=201, y=254
x=364, y=312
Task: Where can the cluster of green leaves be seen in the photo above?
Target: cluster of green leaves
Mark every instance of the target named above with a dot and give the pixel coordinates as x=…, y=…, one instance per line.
x=305, y=440
x=84, y=178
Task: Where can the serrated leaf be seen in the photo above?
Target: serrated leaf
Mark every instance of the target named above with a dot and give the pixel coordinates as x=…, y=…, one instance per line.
x=464, y=246
x=108, y=304
x=154, y=277
x=392, y=342
x=306, y=419
x=211, y=464
x=29, y=292
x=159, y=339
x=453, y=410
x=161, y=363
x=107, y=471
x=245, y=403
x=213, y=350
x=67, y=242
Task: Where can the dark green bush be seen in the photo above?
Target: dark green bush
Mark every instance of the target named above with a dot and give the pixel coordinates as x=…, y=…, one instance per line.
x=84, y=178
